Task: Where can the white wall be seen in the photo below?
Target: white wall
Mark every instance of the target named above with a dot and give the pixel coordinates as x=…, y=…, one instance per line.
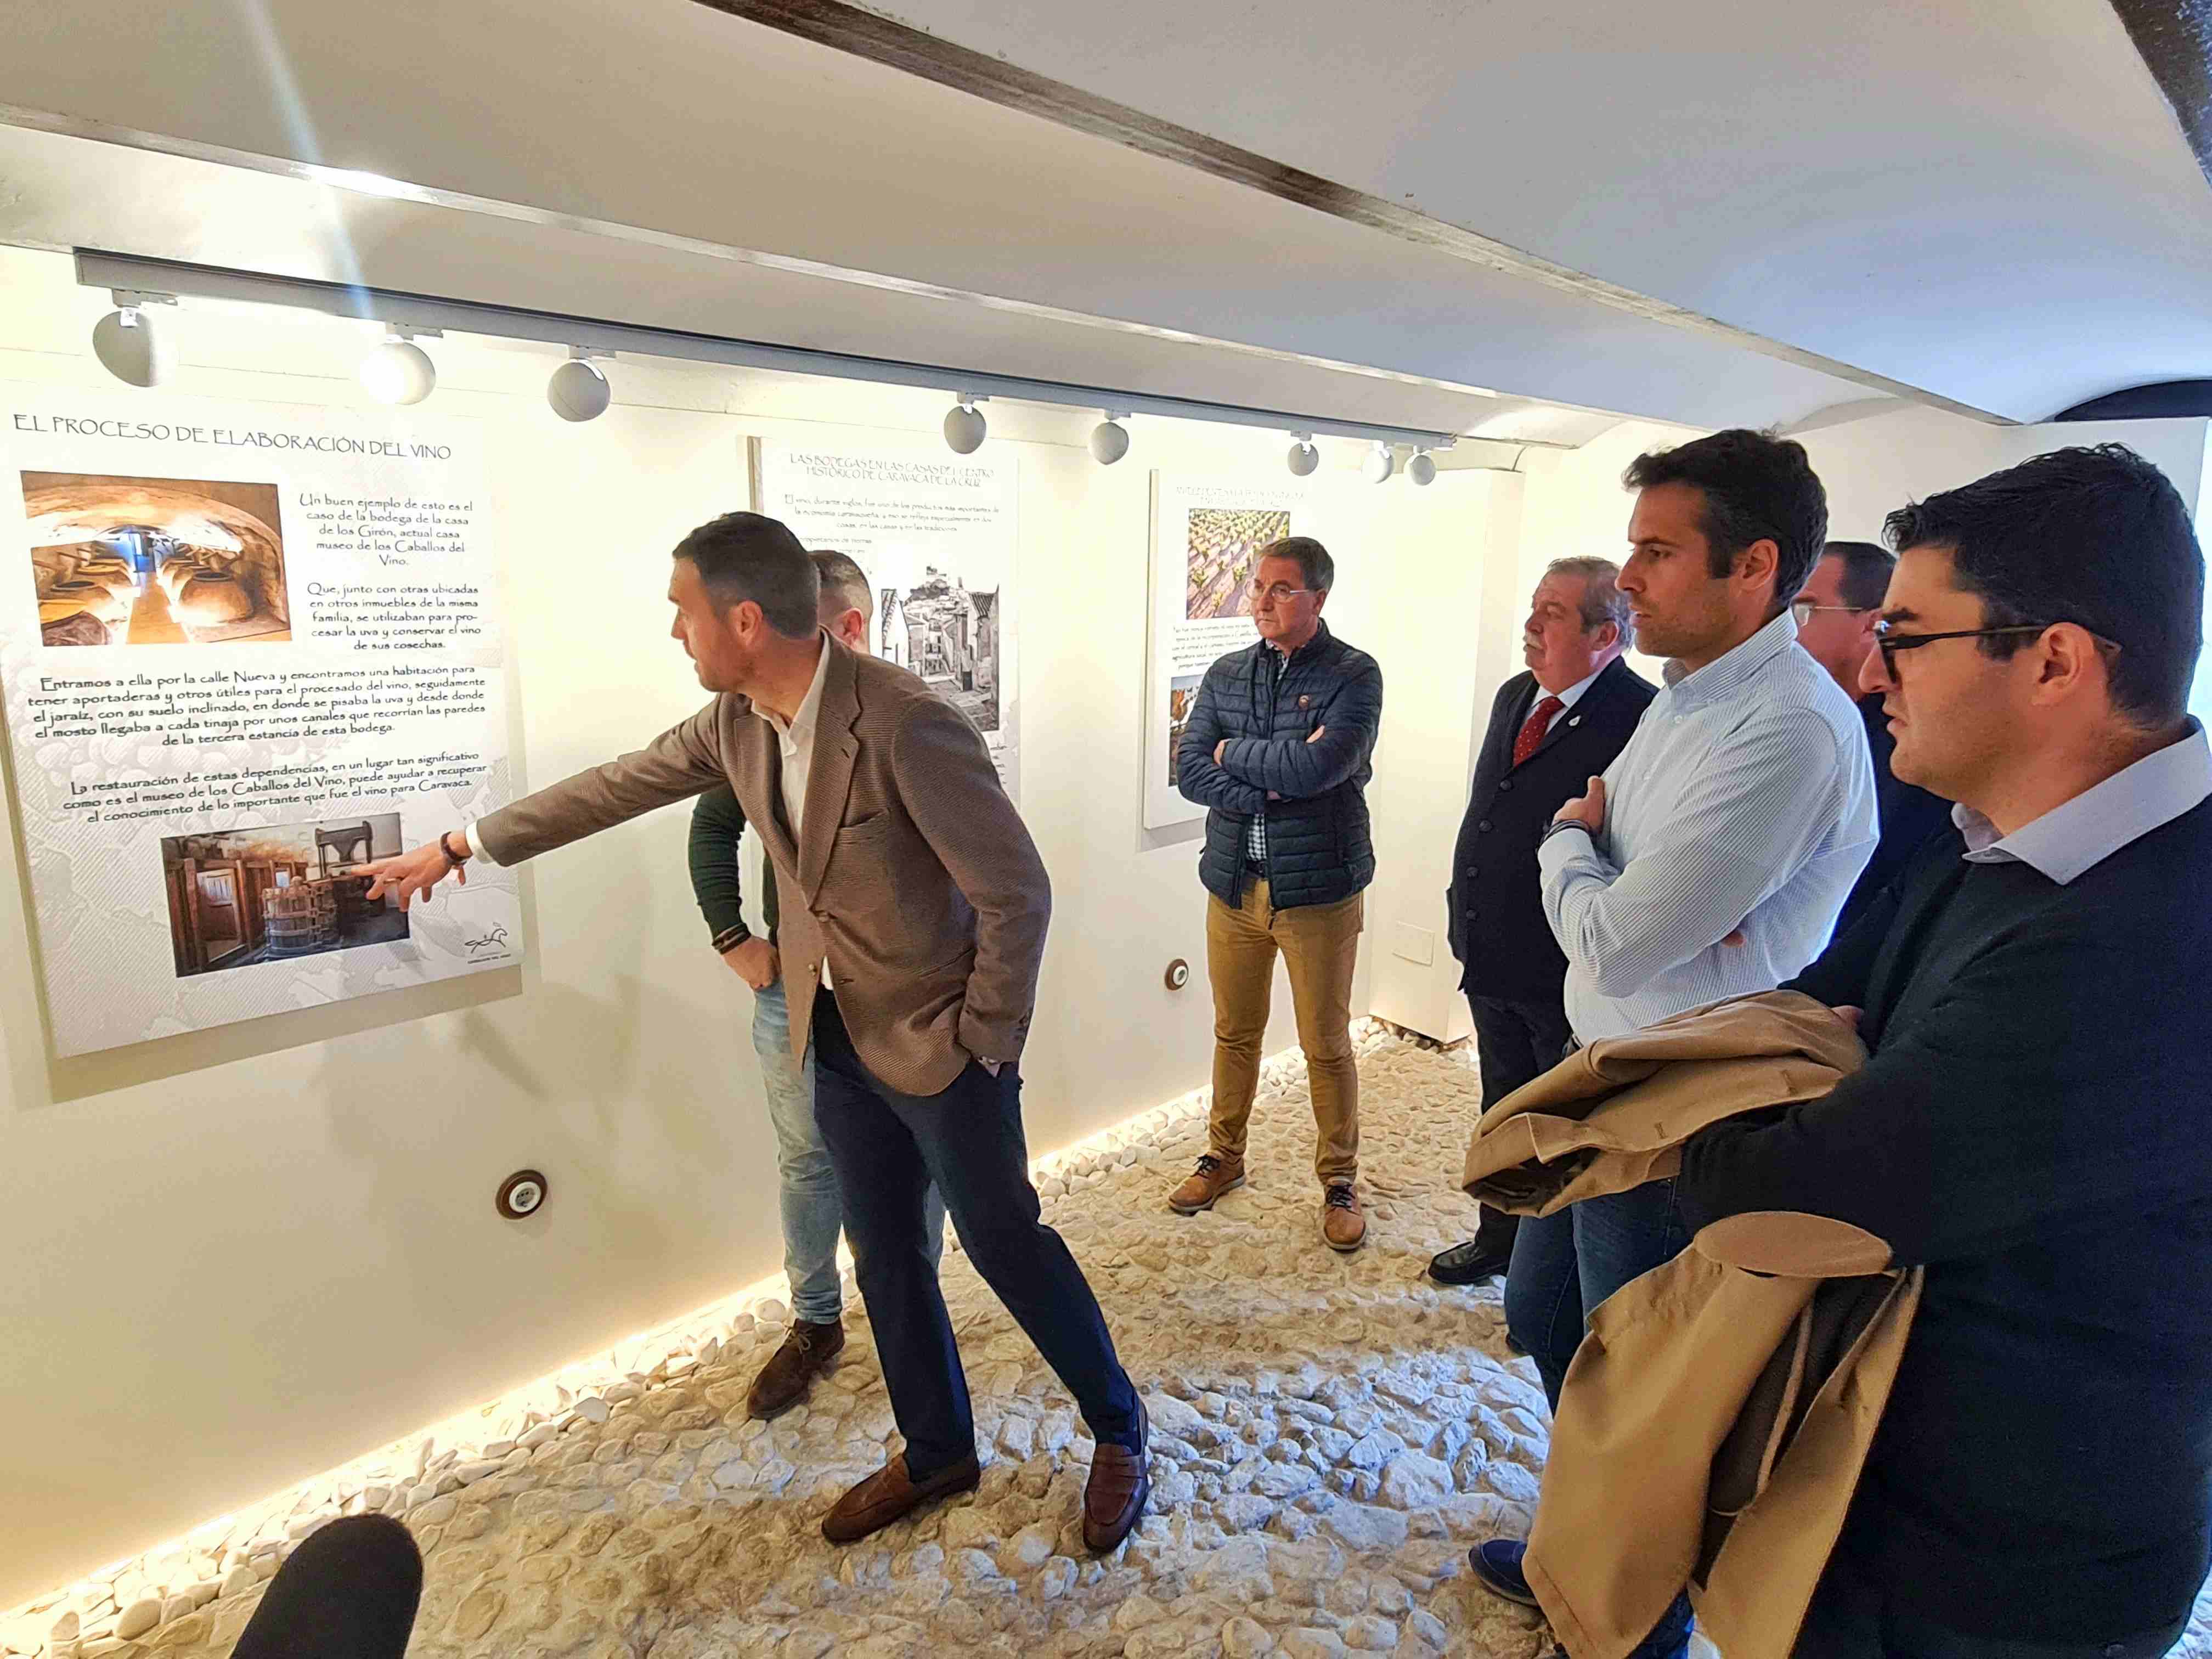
x=242, y=1256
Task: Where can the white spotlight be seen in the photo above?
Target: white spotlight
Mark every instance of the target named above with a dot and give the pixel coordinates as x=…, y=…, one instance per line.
x=1379, y=464
x=964, y=426
x=1303, y=457
x=579, y=390
x=398, y=371
x=129, y=347
x=1422, y=469
x=1109, y=440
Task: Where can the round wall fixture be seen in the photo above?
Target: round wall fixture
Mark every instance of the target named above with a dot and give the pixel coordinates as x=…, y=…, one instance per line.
x=1178, y=974
x=964, y=429
x=579, y=390
x=128, y=347
x=1109, y=440
x=398, y=371
x=1422, y=469
x=1303, y=457
x=522, y=1193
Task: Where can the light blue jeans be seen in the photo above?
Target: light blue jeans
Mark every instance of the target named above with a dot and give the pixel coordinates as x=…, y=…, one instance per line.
x=808, y=1195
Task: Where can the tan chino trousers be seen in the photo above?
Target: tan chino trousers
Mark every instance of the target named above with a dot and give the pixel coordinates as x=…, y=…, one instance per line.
x=1320, y=945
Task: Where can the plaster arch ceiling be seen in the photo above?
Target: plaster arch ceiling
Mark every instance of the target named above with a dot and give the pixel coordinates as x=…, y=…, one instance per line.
x=1496, y=221
x=74, y=510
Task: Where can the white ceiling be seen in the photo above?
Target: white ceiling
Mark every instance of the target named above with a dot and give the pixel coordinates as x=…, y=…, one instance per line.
x=1814, y=179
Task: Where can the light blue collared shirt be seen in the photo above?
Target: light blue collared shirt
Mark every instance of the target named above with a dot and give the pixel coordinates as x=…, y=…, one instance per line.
x=2076, y=835
x=1744, y=800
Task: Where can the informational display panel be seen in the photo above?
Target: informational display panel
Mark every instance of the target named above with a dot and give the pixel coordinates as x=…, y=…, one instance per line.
x=247, y=649
x=935, y=533
x=1206, y=537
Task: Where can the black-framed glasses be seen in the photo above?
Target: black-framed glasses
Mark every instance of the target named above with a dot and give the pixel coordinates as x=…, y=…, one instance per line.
x=1803, y=611
x=1889, y=641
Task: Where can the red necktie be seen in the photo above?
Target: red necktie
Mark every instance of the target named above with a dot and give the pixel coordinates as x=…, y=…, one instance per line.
x=1532, y=730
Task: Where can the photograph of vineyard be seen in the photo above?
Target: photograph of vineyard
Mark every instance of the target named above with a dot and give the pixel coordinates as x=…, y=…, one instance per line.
x=1223, y=545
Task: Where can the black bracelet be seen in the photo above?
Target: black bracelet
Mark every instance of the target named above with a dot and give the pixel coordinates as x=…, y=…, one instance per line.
x=1569, y=823
x=732, y=937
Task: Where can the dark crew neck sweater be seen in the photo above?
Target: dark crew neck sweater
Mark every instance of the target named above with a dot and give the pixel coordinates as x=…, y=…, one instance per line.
x=717, y=823
x=2031, y=1127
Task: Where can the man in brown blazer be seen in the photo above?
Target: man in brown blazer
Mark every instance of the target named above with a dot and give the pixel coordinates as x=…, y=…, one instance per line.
x=913, y=926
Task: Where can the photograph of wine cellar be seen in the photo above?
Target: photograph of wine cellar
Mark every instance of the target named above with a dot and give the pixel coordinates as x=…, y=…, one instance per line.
x=1222, y=545
x=240, y=896
x=950, y=636
x=155, y=560
x=1182, y=691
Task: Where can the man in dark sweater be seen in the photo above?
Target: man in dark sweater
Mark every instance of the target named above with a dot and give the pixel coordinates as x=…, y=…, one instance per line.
x=807, y=1192
x=2029, y=1127
x=1836, y=611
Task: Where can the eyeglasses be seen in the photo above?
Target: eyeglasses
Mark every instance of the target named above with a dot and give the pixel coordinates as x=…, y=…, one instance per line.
x=1280, y=594
x=1890, y=641
x=1804, y=609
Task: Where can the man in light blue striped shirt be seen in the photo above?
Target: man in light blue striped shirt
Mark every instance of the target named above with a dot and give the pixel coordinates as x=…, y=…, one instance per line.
x=1711, y=858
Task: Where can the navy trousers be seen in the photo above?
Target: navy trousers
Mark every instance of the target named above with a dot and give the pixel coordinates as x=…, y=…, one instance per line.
x=888, y=1148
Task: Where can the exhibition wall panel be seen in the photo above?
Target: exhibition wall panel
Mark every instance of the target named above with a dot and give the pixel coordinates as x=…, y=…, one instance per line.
x=241, y=1256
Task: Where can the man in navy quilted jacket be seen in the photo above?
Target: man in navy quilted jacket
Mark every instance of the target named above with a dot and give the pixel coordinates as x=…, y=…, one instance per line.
x=1277, y=750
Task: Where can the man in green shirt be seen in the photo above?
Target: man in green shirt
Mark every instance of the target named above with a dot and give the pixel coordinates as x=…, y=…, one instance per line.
x=808, y=1193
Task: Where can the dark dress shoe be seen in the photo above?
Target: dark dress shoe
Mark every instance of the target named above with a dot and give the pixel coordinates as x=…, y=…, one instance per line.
x=808, y=1351
x=1467, y=1264
x=1120, y=1481
x=889, y=1495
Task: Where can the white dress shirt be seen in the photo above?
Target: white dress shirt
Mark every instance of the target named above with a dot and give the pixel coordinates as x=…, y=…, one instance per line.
x=2081, y=834
x=1745, y=799
x=1568, y=698
x=796, y=740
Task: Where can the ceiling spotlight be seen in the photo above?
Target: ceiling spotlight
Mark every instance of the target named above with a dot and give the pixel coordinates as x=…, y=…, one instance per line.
x=579, y=389
x=964, y=426
x=1109, y=440
x=1379, y=464
x=398, y=371
x=1303, y=457
x=127, y=344
x=1422, y=469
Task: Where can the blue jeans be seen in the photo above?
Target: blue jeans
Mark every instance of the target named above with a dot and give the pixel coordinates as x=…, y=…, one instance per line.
x=807, y=1193
x=1564, y=1265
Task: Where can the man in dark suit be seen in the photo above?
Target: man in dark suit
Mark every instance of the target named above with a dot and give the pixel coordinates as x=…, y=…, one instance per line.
x=1835, y=611
x=1551, y=730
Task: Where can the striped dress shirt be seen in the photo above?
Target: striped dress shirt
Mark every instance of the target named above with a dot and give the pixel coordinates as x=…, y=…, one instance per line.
x=1744, y=800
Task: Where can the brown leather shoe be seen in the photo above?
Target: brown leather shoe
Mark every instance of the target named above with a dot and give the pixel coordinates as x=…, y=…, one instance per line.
x=1120, y=1481
x=888, y=1495
x=1343, y=1224
x=807, y=1353
x=1217, y=1173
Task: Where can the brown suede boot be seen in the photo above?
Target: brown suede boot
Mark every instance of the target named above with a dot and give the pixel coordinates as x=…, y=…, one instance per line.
x=1343, y=1224
x=1217, y=1173
x=807, y=1353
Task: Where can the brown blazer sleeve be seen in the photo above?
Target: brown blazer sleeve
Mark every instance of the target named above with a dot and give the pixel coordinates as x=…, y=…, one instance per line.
x=682, y=762
x=952, y=793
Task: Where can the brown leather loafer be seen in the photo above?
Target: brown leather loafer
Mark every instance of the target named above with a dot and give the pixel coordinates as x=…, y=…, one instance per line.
x=1343, y=1224
x=1216, y=1174
x=1120, y=1481
x=808, y=1351
x=889, y=1495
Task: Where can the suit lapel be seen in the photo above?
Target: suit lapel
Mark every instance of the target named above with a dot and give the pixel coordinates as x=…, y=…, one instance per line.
x=1585, y=705
x=835, y=749
x=1502, y=740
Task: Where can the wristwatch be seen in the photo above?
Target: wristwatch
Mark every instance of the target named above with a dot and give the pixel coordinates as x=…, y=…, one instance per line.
x=453, y=861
